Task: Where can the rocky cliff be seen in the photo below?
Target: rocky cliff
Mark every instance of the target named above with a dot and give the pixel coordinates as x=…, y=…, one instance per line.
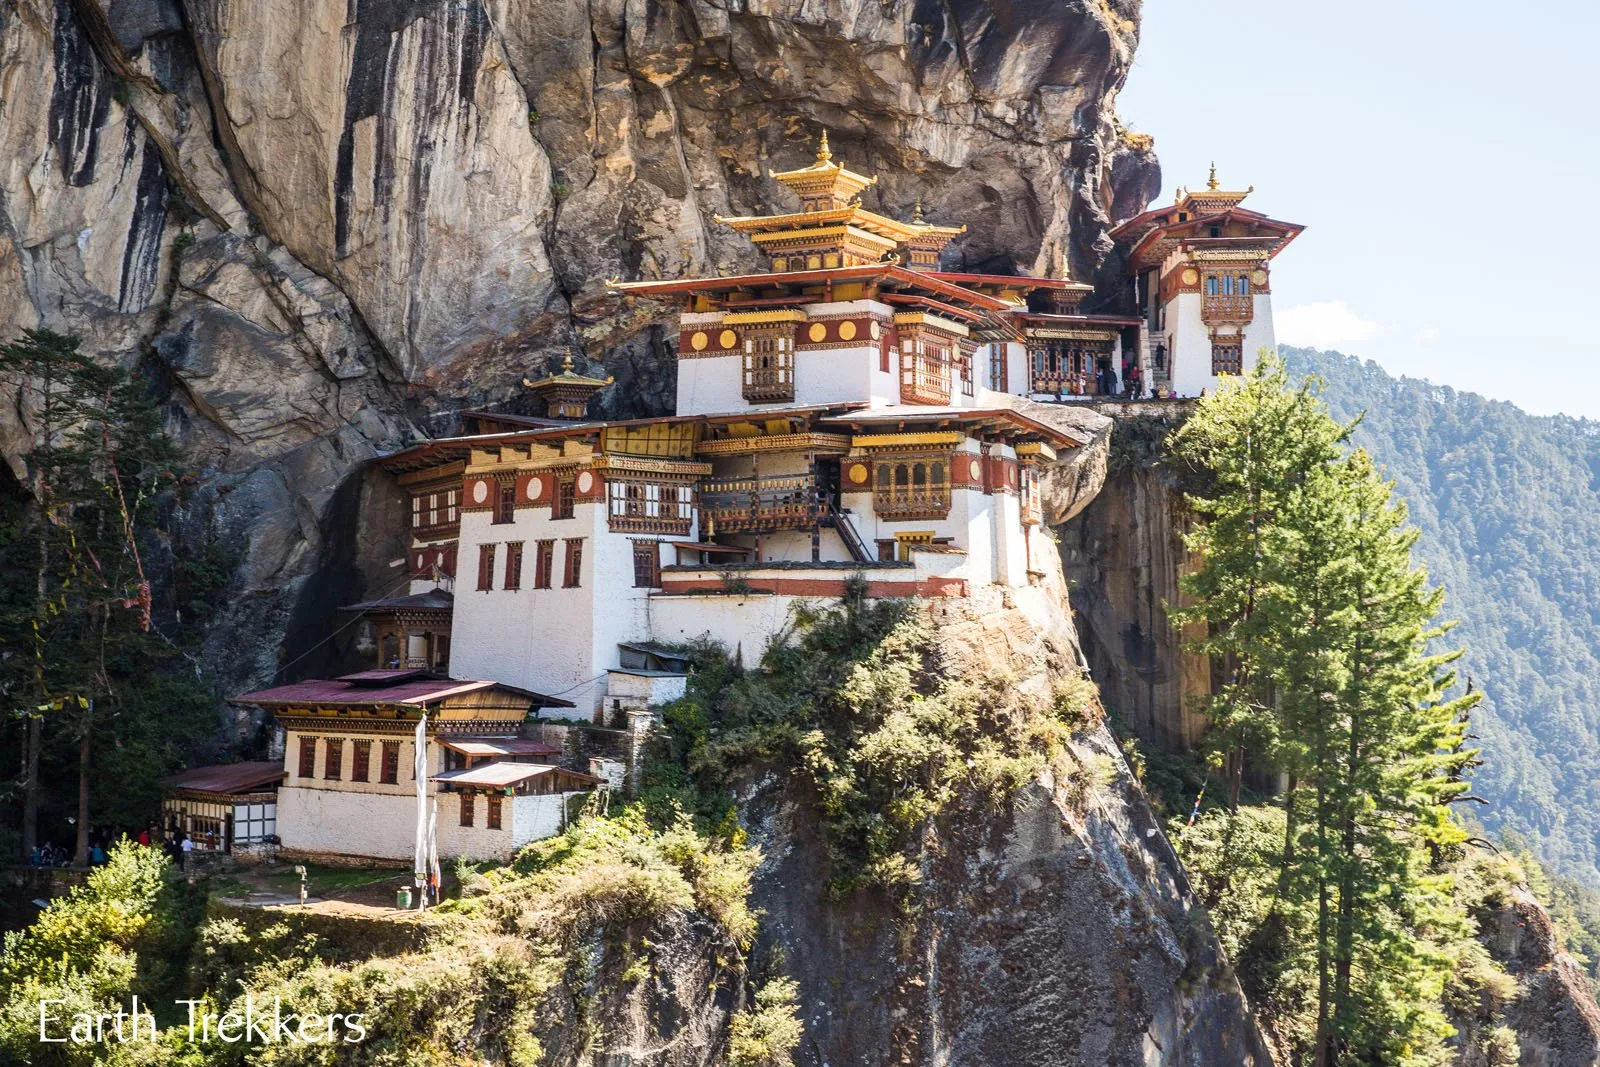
x=325, y=227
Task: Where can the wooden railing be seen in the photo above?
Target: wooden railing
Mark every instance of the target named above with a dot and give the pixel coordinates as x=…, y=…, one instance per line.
x=912, y=502
x=1232, y=308
x=730, y=505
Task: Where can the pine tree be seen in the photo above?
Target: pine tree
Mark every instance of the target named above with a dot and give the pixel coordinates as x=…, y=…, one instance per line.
x=96, y=462
x=1311, y=600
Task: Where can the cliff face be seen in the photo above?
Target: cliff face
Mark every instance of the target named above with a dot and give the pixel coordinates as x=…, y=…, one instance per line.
x=327, y=226
x=1123, y=555
x=1059, y=928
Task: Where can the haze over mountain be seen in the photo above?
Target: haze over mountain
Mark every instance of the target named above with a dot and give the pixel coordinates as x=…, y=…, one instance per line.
x=1508, y=505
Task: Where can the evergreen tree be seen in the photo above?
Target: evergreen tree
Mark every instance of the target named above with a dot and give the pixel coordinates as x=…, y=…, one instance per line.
x=1308, y=592
x=96, y=462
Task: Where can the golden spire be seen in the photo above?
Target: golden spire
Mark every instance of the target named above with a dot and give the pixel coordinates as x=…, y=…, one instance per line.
x=824, y=153
x=1212, y=183
x=566, y=364
x=916, y=211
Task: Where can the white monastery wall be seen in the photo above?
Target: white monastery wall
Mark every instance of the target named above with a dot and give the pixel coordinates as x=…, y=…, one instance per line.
x=347, y=822
x=538, y=817
x=1260, y=333
x=475, y=842
x=709, y=385
x=741, y=624
x=540, y=639
x=1188, y=346
x=832, y=376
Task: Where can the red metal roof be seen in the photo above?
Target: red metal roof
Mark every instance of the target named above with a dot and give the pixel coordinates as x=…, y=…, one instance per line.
x=416, y=693
x=250, y=777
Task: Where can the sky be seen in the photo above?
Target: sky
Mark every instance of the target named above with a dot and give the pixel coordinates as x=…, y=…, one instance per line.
x=1443, y=155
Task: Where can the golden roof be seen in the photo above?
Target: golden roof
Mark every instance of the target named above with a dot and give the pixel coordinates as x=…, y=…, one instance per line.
x=854, y=215
x=1214, y=198
x=567, y=377
x=825, y=177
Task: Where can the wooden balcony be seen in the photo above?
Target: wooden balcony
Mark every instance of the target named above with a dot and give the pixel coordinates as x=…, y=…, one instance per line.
x=651, y=516
x=912, y=502
x=924, y=379
x=1230, y=309
x=734, y=505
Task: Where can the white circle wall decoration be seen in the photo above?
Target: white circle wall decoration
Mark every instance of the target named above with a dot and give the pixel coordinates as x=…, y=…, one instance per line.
x=585, y=482
x=847, y=330
x=535, y=487
x=976, y=470
x=874, y=330
x=480, y=492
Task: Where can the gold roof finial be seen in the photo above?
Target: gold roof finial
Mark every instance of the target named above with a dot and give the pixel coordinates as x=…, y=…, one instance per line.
x=916, y=211
x=566, y=364
x=1212, y=183
x=824, y=153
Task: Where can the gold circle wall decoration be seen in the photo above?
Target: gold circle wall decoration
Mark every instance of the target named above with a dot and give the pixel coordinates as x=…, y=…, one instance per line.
x=847, y=330
x=699, y=341
x=727, y=339
x=817, y=332
x=858, y=473
x=1259, y=278
x=1191, y=276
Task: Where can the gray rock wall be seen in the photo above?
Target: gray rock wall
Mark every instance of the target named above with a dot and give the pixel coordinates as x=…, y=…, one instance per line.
x=326, y=227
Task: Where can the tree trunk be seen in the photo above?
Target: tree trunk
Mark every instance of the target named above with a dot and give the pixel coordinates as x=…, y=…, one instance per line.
x=30, y=783
x=80, y=855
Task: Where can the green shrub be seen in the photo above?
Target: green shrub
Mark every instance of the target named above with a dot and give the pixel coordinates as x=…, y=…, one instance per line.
x=767, y=1035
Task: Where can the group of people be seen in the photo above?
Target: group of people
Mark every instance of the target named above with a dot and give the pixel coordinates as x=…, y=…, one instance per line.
x=174, y=842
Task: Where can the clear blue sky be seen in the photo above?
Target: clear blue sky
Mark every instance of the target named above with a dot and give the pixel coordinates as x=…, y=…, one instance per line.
x=1443, y=155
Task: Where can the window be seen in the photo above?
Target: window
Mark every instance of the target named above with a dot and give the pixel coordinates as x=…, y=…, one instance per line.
x=646, y=564
x=566, y=497
x=573, y=571
x=333, y=759
x=911, y=488
x=966, y=371
x=494, y=812
x=1211, y=285
x=543, y=562
x=389, y=769
x=649, y=507
x=419, y=516
x=1244, y=285
x=997, y=367
x=360, y=760
x=1227, y=285
x=485, y=567
x=768, y=365
x=452, y=501
x=514, y=565
x=308, y=757
x=466, y=808
x=1216, y=231
x=505, y=503
x=1227, y=359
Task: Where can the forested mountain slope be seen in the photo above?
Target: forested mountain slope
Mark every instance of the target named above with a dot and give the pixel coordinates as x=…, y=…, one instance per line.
x=1509, y=508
